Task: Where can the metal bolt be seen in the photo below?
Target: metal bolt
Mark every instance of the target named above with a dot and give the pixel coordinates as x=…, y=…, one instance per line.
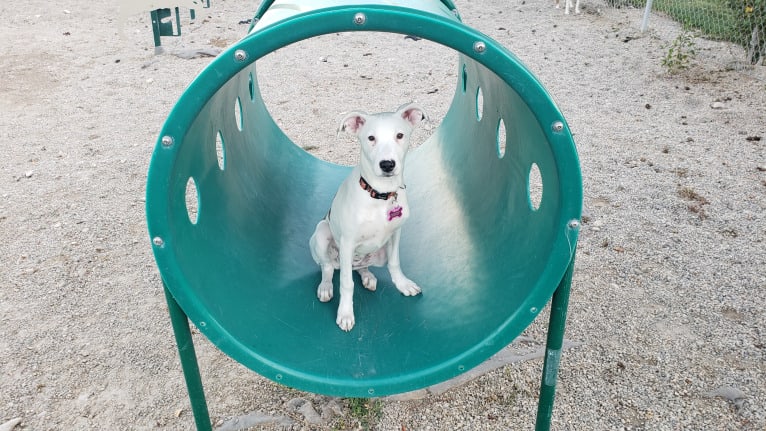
x=573, y=224
x=240, y=55
x=360, y=19
x=557, y=126
x=533, y=310
x=158, y=241
x=479, y=47
x=167, y=141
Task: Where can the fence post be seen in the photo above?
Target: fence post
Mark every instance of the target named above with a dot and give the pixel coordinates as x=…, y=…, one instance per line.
x=647, y=11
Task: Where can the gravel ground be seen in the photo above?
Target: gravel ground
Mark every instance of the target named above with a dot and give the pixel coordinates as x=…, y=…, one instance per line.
x=669, y=287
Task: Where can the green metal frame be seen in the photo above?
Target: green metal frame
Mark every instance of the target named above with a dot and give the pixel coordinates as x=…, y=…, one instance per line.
x=162, y=27
x=248, y=308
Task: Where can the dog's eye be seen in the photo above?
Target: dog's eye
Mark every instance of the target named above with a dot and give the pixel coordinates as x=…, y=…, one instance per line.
x=399, y=135
x=371, y=138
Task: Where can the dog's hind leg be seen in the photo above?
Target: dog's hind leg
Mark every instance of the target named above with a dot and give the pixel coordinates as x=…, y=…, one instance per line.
x=368, y=279
x=324, y=252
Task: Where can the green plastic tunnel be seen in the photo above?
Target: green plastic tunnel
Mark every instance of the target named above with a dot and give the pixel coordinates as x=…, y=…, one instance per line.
x=487, y=255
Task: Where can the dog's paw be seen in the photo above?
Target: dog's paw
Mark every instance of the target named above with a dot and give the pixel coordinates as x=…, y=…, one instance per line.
x=345, y=320
x=369, y=281
x=407, y=287
x=324, y=292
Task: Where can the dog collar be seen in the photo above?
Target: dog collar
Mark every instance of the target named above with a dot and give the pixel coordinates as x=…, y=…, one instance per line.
x=374, y=193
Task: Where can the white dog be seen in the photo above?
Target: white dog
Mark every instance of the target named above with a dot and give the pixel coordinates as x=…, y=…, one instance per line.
x=363, y=226
x=568, y=4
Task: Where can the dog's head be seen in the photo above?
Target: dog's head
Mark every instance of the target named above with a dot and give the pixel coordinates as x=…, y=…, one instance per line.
x=384, y=137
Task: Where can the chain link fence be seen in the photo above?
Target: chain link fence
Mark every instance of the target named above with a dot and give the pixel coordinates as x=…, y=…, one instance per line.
x=742, y=22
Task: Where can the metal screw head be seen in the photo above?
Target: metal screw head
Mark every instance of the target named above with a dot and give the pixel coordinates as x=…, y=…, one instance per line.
x=557, y=126
x=240, y=55
x=573, y=224
x=479, y=47
x=360, y=18
x=158, y=241
x=167, y=141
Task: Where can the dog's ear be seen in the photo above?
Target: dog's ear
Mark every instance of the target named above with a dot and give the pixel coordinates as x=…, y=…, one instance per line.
x=352, y=122
x=412, y=113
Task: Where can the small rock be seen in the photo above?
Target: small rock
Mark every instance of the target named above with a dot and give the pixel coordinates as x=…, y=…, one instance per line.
x=190, y=53
x=305, y=408
x=761, y=168
x=730, y=394
x=254, y=419
x=331, y=409
x=311, y=415
x=717, y=105
x=11, y=424
x=28, y=174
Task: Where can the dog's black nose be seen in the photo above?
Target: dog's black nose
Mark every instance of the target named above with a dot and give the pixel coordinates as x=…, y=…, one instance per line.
x=387, y=166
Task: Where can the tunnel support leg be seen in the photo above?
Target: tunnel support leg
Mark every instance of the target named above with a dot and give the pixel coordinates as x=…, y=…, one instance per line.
x=553, y=348
x=189, y=363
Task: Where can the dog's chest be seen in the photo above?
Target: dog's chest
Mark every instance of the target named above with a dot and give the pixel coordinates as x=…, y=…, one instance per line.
x=378, y=222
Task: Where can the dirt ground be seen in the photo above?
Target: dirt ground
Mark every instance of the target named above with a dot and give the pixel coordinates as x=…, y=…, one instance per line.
x=669, y=290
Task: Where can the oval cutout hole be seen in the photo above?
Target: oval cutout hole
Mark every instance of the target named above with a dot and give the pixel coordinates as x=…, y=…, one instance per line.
x=238, y=113
x=220, y=150
x=501, y=139
x=251, y=87
x=465, y=79
x=192, y=201
x=535, y=187
x=479, y=104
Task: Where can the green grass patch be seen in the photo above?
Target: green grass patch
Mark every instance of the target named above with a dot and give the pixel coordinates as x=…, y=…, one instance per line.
x=366, y=410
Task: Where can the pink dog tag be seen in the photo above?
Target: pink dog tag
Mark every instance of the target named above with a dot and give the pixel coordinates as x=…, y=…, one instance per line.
x=394, y=212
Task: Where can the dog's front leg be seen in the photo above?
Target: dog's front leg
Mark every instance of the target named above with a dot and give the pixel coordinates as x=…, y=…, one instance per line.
x=406, y=286
x=346, y=307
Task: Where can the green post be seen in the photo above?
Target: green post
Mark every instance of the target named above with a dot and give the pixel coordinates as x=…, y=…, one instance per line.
x=553, y=348
x=156, y=27
x=189, y=364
